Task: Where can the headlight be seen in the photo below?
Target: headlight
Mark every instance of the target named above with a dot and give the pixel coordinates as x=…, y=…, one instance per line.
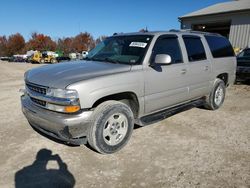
x=62, y=93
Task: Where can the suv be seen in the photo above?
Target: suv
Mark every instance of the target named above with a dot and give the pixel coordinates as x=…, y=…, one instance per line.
x=135, y=78
x=243, y=65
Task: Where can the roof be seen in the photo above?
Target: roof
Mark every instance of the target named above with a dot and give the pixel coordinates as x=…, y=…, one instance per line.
x=219, y=8
x=172, y=31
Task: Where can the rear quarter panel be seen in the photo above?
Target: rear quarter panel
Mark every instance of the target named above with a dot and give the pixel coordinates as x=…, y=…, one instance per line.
x=225, y=65
x=221, y=65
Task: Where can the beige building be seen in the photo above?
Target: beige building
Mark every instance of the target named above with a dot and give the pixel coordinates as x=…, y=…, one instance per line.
x=231, y=19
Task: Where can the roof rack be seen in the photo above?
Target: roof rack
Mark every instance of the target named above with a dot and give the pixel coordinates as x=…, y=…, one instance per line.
x=117, y=33
x=192, y=31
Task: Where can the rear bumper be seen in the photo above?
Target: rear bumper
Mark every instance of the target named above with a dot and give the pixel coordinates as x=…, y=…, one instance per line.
x=70, y=128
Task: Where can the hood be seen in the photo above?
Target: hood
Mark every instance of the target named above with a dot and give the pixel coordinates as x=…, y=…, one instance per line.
x=63, y=74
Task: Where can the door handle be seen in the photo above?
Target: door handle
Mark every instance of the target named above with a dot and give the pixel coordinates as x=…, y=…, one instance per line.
x=183, y=71
x=206, y=68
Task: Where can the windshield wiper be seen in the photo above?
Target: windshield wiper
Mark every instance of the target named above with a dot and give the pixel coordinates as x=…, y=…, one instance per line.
x=107, y=59
x=91, y=59
x=87, y=58
x=110, y=60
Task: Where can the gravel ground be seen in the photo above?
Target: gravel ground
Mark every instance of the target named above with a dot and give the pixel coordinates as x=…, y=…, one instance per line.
x=195, y=148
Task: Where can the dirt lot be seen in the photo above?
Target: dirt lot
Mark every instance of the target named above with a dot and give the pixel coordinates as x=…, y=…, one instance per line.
x=196, y=148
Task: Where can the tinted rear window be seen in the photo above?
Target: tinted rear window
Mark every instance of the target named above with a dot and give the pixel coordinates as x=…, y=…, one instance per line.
x=195, y=48
x=219, y=46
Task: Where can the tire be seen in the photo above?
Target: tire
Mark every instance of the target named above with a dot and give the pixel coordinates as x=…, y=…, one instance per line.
x=42, y=61
x=53, y=61
x=108, y=134
x=217, y=95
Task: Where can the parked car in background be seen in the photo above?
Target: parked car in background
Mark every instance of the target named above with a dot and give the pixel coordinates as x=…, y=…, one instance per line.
x=62, y=58
x=73, y=56
x=243, y=65
x=128, y=78
x=84, y=54
x=5, y=58
x=15, y=58
x=20, y=58
x=43, y=57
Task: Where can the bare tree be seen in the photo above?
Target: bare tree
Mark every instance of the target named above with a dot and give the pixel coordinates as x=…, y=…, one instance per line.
x=83, y=42
x=15, y=44
x=100, y=39
x=3, y=44
x=40, y=42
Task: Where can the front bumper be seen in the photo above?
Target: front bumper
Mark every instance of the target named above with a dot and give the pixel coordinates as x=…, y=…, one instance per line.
x=70, y=128
x=243, y=73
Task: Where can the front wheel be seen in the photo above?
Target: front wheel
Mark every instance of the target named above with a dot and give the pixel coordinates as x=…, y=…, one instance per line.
x=112, y=126
x=217, y=95
x=42, y=61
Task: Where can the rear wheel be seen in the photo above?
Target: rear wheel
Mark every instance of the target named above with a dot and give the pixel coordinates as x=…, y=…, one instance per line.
x=217, y=95
x=111, y=128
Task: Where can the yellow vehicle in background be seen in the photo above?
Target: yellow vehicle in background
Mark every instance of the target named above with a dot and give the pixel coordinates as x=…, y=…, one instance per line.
x=43, y=57
x=237, y=50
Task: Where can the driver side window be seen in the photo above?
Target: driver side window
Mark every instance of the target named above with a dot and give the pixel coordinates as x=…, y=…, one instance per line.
x=168, y=45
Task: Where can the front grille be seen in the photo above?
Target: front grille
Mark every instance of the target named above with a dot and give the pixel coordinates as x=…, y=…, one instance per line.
x=39, y=102
x=243, y=64
x=36, y=88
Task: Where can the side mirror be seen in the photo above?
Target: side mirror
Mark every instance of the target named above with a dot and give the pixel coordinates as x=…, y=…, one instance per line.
x=163, y=59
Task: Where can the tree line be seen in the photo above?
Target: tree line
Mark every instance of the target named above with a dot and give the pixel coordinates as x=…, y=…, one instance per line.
x=15, y=44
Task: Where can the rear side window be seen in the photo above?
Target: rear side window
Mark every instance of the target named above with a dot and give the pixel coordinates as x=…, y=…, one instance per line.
x=168, y=45
x=195, y=48
x=219, y=46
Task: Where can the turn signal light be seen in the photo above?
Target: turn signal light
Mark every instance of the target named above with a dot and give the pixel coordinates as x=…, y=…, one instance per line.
x=71, y=109
x=64, y=109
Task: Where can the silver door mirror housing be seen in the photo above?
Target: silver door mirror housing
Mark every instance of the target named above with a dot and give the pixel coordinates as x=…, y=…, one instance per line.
x=163, y=59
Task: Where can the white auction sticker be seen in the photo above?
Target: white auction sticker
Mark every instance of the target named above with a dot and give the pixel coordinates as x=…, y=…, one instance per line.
x=138, y=44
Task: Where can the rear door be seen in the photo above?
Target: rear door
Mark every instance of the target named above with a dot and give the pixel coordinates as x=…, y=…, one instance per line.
x=199, y=66
x=165, y=85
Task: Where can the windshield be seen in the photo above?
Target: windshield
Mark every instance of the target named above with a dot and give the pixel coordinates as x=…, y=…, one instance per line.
x=121, y=49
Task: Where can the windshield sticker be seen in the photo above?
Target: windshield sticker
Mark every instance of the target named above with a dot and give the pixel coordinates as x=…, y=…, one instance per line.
x=138, y=44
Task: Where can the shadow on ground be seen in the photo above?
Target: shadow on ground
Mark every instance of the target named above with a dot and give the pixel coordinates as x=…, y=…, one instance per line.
x=37, y=175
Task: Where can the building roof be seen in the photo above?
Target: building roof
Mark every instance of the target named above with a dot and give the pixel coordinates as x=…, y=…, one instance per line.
x=219, y=8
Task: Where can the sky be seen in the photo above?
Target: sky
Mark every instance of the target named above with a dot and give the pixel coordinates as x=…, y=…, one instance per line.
x=67, y=18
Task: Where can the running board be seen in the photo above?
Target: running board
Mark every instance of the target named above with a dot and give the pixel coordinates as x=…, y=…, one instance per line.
x=158, y=116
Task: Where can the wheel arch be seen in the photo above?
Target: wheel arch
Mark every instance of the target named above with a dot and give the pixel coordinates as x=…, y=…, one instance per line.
x=129, y=98
x=224, y=78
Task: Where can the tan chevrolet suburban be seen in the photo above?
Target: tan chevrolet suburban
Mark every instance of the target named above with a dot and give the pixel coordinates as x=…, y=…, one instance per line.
x=134, y=78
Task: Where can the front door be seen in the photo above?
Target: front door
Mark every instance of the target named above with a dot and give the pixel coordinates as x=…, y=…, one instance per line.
x=165, y=85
